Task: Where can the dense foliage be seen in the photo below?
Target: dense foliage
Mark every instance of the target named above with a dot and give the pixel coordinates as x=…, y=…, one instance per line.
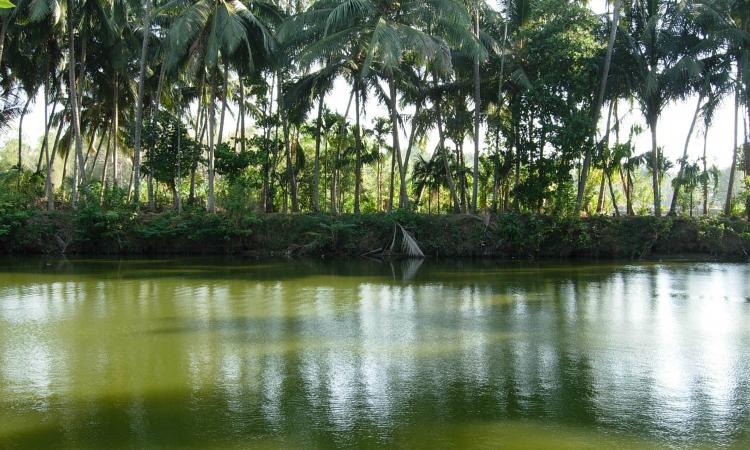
x=93, y=231
x=228, y=104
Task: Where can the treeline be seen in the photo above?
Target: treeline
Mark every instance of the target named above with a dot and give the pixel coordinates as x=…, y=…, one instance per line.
x=227, y=104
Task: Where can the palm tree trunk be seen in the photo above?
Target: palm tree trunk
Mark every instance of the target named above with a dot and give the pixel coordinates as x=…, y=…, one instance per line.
x=612, y=193
x=477, y=119
x=191, y=194
x=460, y=167
x=130, y=185
x=236, y=134
x=631, y=186
x=391, y=188
x=335, y=171
x=49, y=182
x=624, y=174
x=45, y=149
x=3, y=31
x=98, y=151
x=605, y=163
x=655, y=178
x=159, y=87
x=378, y=179
x=267, y=195
x=403, y=200
x=326, y=163
x=418, y=195
x=517, y=168
x=103, y=178
x=496, y=172
x=220, y=139
x=441, y=148
x=115, y=129
x=154, y=110
x=90, y=148
x=341, y=196
x=358, y=154
x=746, y=152
x=241, y=120
x=65, y=165
x=412, y=136
x=683, y=161
x=203, y=126
x=20, y=131
x=728, y=204
x=74, y=190
x=203, y=114
x=600, y=200
x=150, y=183
x=705, y=172
x=599, y=101
x=500, y=103
x=287, y=147
x=47, y=126
x=285, y=200
x=59, y=132
x=139, y=103
x=74, y=102
x=625, y=192
x=82, y=74
x=210, y=205
x=316, y=169
x=747, y=171
x=198, y=124
x=176, y=193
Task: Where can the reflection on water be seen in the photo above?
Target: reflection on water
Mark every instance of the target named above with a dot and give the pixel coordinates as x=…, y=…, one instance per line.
x=361, y=354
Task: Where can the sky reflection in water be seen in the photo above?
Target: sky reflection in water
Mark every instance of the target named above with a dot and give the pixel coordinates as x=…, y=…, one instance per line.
x=359, y=354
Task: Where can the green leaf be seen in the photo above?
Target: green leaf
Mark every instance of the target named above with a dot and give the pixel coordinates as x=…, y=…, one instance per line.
x=5, y=4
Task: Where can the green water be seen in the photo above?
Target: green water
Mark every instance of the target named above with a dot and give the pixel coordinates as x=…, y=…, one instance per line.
x=235, y=354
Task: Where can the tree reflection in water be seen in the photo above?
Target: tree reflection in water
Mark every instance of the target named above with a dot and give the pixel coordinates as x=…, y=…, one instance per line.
x=359, y=354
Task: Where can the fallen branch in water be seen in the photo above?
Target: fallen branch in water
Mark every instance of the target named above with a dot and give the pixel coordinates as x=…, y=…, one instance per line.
x=409, y=246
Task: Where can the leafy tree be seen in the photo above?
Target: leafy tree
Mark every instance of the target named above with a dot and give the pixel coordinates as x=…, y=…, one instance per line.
x=173, y=154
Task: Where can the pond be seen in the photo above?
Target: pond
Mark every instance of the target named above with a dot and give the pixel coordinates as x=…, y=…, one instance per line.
x=358, y=354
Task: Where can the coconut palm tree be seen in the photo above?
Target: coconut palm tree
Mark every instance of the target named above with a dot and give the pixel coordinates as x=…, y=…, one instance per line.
x=300, y=96
x=663, y=54
x=203, y=35
x=477, y=10
x=599, y=98
x=388, y=31
x=74, y=99
x=728, y=24
x=84, y=18
x=714, y=80
x=26, y=69
x=37, y=70
x=735, y=146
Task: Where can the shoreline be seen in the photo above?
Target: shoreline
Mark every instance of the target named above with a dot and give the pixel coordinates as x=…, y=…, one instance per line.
x=506, y=236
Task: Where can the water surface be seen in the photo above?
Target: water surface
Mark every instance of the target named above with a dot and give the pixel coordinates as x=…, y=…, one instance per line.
x=235, y=354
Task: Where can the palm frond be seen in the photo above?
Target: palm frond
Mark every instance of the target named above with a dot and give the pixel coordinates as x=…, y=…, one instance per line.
x=346, y=13
x=409, y=245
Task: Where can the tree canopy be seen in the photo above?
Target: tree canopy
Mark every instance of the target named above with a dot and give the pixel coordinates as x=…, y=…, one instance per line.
x=212, y=99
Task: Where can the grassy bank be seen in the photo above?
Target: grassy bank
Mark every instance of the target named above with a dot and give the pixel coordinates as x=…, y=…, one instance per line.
x=98, y=232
